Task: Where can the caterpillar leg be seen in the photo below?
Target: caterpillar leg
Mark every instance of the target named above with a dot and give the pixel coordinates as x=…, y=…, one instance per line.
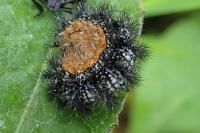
x=65, y=9
x=40, y=4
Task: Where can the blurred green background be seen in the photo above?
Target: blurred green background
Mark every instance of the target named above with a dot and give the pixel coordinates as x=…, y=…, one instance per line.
x=168, y=100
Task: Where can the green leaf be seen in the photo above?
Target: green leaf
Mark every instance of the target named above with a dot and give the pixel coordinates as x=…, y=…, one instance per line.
x=164, y=7
x=169, y=99
x=24, y=108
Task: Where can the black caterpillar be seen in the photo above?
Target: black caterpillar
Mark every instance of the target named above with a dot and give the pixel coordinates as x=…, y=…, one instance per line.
x=115, y=70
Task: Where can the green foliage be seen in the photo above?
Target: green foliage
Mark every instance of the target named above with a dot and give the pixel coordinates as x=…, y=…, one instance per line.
x=163, y=7
x=169, y=99
x=24, y=42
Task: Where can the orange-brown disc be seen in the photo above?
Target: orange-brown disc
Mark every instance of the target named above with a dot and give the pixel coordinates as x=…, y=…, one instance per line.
x=82, y=43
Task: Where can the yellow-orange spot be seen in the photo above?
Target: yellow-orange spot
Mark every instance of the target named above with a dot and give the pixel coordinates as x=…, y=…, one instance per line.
x=82, y=43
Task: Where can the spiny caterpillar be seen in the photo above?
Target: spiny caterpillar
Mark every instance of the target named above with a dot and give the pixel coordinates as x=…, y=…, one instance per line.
x=98, y=56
